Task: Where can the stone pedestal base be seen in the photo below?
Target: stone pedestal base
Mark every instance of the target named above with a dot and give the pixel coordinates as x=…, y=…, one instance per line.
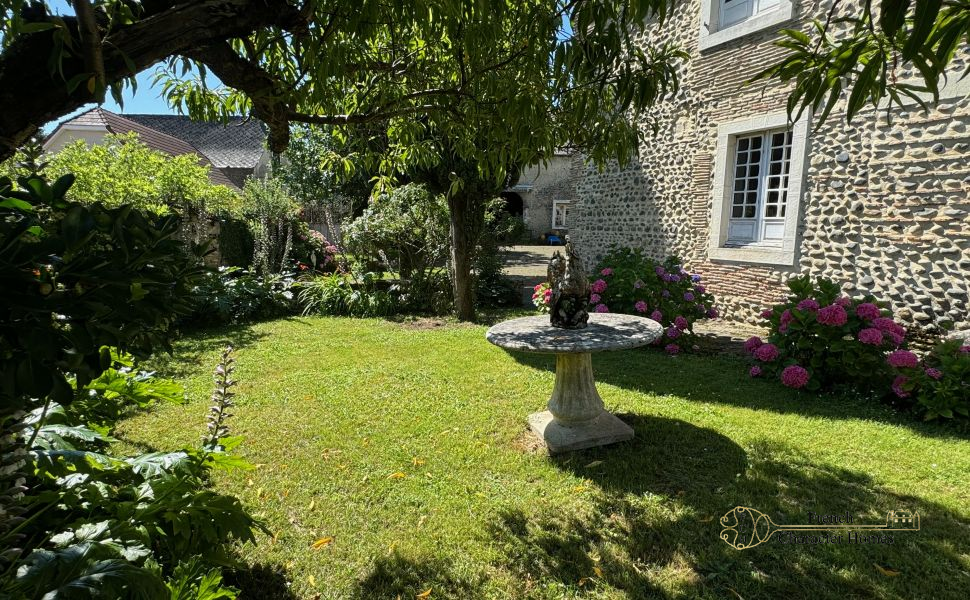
x=598, y=431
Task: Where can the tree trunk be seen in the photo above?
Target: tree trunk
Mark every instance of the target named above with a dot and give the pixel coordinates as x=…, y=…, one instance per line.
x=465, y=225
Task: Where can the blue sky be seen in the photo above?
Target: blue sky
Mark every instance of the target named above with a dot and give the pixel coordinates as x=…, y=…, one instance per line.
x=146, y=100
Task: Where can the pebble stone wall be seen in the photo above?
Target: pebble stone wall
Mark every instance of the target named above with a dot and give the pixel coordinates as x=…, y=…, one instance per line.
x=885, y=203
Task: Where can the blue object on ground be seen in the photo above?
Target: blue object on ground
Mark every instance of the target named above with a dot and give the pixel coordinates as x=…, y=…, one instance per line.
x=554, y=240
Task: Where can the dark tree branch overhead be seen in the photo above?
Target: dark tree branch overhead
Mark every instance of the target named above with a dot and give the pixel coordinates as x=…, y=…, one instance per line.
x=166, y=28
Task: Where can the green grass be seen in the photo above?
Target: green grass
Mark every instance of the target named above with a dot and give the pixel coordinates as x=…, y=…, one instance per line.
x=331, y=408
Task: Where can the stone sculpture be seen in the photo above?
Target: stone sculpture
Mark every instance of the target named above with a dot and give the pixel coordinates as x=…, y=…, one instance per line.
x=570, y=290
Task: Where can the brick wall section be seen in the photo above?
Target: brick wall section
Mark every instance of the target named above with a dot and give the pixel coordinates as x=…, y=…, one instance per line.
x=885, y=204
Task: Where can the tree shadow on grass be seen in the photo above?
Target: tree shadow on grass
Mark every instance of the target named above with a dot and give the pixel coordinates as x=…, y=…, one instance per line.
x=724, y=380
x=190, y=349
x=264, y=581
x=398, y=576
x=647, y=545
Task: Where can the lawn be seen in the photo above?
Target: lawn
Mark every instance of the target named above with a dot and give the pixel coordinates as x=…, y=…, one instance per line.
x=404, y=443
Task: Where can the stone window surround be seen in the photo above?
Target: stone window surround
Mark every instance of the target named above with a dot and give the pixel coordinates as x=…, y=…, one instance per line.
x=727, y=135
x=711, y=35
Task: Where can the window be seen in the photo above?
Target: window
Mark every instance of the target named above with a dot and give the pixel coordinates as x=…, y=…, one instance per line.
x=762, y=165
x=726, y=20
x=758, y=173
x=560, y=214
x=735, y=11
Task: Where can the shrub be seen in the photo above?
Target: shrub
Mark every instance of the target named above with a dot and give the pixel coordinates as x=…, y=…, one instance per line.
x=626, y=281
x=339, y=294
x=492, y=288
x=273, y=216
x=821, y=338
x=937, y=386
x=233, y=295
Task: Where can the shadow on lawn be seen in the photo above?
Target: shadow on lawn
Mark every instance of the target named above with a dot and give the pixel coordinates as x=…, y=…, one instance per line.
x=397, y=576
x=191, y=349
x=667, y=544
x=264, y=581
x=724, y=380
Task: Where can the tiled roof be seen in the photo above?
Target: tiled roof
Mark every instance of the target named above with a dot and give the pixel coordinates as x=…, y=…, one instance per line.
x=236, y=144
x=151, y=137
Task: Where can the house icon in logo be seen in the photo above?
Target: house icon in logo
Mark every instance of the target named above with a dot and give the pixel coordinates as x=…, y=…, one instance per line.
x=902, y=519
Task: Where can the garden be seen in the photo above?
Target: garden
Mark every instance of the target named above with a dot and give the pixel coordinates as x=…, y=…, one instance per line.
x=285, y=390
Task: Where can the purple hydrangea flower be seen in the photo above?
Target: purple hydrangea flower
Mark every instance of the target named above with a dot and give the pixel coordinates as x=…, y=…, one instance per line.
x=601, y=308
x=695, y=278
x=902, y=359
x=868, y=311
x=898, y=384
x=766, y=352
x=934, y=373
x=833, y=314
x=665, y=293
x=673, y=333
x=766, y=314
x=700, y=289
x=844, y=301
x=640, y=306
x=870, y=336
x=672, y=349
x=606, y=272
x=753, y=343
x=675, y=278
x=594, y=299
x=680, y=323
x=638, y=284
x=808, y=304
x=712, y=313
x=659, y=271
x=688, y=296
x=598, y=286
x=657, y=316
x=755, y=371
x=795, y=376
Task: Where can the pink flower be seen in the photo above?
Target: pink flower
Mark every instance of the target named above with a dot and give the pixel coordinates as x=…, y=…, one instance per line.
x=538, y=287
x=786, y=317
x=807, y=304
x=601, y=308
x=673, y=332
x=898, y=384
x=641, y=306
x=766, y=314
x=598, y=287
x=934, y=373
x=753, y=343
x=594, y=299
x=657, y=316
x=902, y=359
x=833, y=314
x=896, y=338
x=965, y=349
x=680, y=323
x=712, y=313
x=755, y=371
x=868, y=311
x=671, y=348
x=844, y=301
x=606, y=272
x=688, y=296
x=794, y=376
x=870, y=336
x=889, y=326
x=700, y=289
x=548, y=294
x=766, y=352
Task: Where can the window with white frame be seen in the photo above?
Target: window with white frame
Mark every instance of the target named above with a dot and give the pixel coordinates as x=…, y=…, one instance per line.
x=735, y=11
x=726, y=20
x=759, y=197
x=560, y=214
x=758, y=179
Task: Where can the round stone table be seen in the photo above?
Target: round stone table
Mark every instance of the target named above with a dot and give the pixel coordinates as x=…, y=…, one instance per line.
x=576, y=418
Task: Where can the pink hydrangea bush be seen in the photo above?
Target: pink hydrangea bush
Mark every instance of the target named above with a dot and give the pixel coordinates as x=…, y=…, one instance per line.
x=938, y=386
x=628, y=282
x=820, y=338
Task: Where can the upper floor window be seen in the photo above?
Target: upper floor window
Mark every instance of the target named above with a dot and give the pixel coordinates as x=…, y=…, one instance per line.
x=726, y=20
x=735, y=11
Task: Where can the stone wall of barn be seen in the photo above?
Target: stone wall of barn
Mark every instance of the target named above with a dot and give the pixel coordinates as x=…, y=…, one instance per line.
x=885, y=203
x=540, y=186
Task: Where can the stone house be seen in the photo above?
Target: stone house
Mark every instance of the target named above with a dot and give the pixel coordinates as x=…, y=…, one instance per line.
x=545, y=195
x=234, y=150
x=748, y=200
